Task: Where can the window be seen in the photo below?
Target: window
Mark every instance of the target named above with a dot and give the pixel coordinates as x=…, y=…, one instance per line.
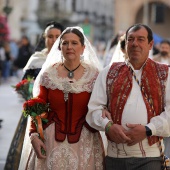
x=158, y=13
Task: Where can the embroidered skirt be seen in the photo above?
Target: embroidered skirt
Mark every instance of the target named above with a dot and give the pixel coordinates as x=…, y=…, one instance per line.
x=86, y=154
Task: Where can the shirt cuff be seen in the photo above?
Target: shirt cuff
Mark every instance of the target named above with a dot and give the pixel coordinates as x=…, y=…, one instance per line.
x=152, y=128
x=105, y=122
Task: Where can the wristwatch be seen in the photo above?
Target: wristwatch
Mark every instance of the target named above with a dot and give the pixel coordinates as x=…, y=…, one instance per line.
x=148, y=131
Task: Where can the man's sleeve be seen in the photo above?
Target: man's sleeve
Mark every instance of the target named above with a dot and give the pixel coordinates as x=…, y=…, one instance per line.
x=97, y=102
x=160, y=125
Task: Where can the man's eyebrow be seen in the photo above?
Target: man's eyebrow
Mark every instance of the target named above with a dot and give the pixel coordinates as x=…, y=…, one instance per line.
x=132, y=36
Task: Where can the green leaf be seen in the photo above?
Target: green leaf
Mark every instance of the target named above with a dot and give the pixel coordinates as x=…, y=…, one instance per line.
x=45, y=120
x=33, y=114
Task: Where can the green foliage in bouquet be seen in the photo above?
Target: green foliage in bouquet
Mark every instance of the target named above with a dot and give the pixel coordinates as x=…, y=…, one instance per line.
x=38, y=109
x=24, y=88
x=35, y=107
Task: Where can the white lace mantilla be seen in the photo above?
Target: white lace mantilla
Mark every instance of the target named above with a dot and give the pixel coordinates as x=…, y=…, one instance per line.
x=51, y=80
x=36, y=60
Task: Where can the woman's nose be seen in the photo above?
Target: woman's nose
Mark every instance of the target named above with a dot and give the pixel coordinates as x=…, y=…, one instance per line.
x=54, y=39
x=69, y=45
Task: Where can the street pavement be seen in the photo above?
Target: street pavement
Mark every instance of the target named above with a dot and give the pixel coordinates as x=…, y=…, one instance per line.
x=10, y=112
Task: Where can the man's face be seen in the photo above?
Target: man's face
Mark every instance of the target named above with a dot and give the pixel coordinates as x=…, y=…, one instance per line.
x=137, y=45
x=164, y=49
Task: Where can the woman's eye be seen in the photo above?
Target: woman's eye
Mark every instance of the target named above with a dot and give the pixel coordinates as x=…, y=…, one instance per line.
x=64, y=43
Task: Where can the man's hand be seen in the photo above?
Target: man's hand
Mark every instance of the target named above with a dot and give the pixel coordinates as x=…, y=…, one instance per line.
x=37, y=145
x=136, y=133
x=117, y=134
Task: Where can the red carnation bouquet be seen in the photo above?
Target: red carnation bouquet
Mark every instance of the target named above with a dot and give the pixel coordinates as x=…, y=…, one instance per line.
x=24, y=88
x=38, y=109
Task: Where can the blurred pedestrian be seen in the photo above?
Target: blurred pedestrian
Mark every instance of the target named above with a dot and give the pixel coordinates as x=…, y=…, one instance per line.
x=164, y=57
x=14, y=53
x=6, y=59
x=119, y=53
x=111, y=47
x=24, y=53
x=164, y=53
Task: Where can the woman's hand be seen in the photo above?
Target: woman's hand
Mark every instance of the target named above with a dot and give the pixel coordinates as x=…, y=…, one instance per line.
x=38, y=145
x=106, y=113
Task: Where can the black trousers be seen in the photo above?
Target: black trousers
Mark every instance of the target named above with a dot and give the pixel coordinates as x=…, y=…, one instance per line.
x=147, y=163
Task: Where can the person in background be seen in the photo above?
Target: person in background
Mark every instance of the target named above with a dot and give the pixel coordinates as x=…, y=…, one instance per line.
x=136, y=94
x=14, y=53
x=6, y=62
x=119, y=52
x=51, y=33
x=164, y=53
x=65, y=82
x=31, y=70
x=110, y=49
x=24, y=53
x=164, y=57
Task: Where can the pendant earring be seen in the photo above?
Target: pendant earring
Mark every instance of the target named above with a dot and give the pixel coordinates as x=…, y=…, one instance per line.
x=81, y=57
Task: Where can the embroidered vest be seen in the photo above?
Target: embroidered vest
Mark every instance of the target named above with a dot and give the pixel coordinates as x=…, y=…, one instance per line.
x=69, y=116
x=119, y=85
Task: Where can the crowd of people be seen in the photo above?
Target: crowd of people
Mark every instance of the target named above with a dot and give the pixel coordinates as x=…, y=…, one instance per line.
x=14, y=56
x=113, y=118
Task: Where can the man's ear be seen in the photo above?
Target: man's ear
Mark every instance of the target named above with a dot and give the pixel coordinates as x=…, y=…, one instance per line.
x=151, y=44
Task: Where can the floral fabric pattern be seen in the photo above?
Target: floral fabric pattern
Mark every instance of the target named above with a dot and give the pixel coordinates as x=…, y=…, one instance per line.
x=85, y=154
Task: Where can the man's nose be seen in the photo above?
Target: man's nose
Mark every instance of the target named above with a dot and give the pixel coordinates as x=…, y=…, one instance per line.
x=135, y=42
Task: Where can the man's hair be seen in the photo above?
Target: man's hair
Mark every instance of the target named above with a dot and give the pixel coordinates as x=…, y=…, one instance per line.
x=165, y=42
x=137, y=27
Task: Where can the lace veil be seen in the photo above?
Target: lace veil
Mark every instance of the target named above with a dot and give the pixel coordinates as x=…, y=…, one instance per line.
x=55, y=56
x=118, y=55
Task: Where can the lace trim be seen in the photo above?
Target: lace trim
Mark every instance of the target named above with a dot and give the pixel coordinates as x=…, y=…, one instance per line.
x=51, y=80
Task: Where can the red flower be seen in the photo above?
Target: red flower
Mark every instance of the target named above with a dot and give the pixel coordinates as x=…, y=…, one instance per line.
x=24, y=88
x=38, y=109
x=18, y=86
x=35, y=106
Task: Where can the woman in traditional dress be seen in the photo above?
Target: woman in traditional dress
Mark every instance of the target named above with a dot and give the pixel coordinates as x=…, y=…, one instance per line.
x=66, y=81
x=32, y=68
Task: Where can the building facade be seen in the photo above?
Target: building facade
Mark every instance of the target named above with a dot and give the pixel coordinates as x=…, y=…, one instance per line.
x=155, y=13
x=30, y=16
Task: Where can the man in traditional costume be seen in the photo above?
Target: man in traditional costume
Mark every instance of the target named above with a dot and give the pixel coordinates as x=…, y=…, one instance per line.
x=136, y=94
